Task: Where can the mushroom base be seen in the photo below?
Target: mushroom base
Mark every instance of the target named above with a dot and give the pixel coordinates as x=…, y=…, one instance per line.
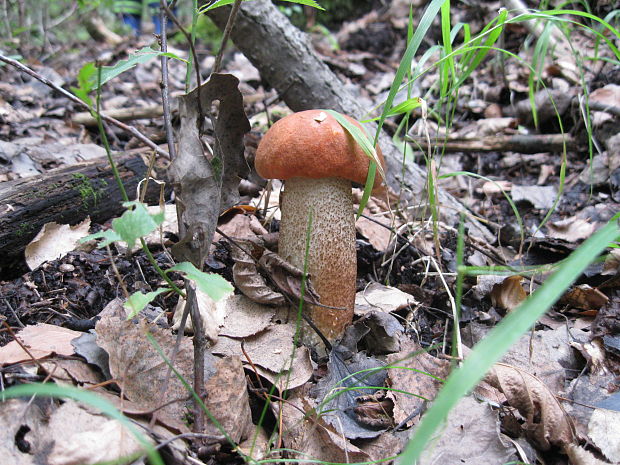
x=332, y=261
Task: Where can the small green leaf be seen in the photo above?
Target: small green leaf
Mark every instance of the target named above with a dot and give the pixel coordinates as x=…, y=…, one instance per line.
x=109, y=236
x=137, y=301
x=213, y=285
x=136, y=222
x=220, y=3
x=87, y=78
x=86, y=74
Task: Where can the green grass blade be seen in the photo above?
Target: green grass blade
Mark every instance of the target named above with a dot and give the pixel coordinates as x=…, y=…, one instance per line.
x=86, y=397
x=498, y=341
x=405, y=63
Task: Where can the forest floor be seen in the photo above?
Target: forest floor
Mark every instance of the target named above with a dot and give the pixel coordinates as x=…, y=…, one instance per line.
x=540, y=190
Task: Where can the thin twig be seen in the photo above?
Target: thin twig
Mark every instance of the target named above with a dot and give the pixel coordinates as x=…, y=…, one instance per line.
x=227, y=30
x=165, y=93
x=130, y=129
x=192, y=49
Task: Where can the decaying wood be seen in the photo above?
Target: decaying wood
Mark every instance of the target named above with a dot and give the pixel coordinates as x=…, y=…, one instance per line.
x=65, y=196
x=534, y=143
x=286, y=59
x=97, y=29
x=120, y=114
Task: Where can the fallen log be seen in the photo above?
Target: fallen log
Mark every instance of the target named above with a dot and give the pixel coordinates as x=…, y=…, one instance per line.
x=65, y=196
x=286, y=60
x=520, y=143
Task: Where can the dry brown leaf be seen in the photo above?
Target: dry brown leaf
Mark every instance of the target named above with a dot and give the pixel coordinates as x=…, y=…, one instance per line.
x=311, y=437
x=212, y=315
x=54, y=241
x=584, y=297
x=571, y=229
x=471, y=435
x=376, y=296
x=80, y=436
x=413, y=371
x=246, y=274
x=228, y=401
x=607, y=95
x=384, y=446
x=41, y=340
x=379, y=236
x=546, y=354
x=207, y=183
x=580, y=456
x=604, y=432
x=541, y=197
x=256, y=446
x=611, y=266
x=271, y=350
x=73, y=372
x=245, y=317
x=546, y=422
x=508, y=294
x=30, y=416
x=240, y=226
x=494, y=188
x=139, y=369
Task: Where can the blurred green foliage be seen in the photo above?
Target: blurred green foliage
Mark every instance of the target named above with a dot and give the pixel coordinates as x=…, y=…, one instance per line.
x=336, y=11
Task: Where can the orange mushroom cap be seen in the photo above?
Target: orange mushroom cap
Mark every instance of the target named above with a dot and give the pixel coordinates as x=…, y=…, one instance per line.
x=312, y=144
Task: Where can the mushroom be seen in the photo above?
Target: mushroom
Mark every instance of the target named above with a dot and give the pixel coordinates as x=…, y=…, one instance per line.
x=318, y=159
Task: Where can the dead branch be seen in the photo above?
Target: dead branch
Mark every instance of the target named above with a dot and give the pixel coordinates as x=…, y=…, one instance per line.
x=531, y=143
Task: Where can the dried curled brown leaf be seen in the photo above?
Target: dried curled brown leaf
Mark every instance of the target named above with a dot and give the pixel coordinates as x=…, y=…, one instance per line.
x=546, y=422
x=246, y=275
x=206, y=184
x=288, y=278
x=509, y=294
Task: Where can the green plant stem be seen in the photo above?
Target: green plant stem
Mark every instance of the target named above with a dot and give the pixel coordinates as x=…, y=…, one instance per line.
x=159, y=271
x=106, y=143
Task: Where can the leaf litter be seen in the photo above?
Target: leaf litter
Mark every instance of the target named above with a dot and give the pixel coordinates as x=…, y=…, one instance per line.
x=568, y=358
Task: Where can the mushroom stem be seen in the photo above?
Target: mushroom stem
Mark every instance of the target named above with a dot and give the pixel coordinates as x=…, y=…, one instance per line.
x=332, y=262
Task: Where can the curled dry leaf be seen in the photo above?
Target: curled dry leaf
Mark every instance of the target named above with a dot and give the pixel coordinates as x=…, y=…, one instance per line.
x=378, y=297
x=546, y=422
x=246, y=274
x=54, y=241
x=207, y=183
x=584, y=297
x=571, y=229
x=509, y=294
x=228, y=401
x=288, y=278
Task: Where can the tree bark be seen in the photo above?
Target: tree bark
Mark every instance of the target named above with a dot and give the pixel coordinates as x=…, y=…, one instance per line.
x=287, y=61
x=65, y=196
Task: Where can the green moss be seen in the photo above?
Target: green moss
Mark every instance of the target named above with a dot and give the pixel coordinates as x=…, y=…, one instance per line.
x=23, y=229
x=89, y=192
